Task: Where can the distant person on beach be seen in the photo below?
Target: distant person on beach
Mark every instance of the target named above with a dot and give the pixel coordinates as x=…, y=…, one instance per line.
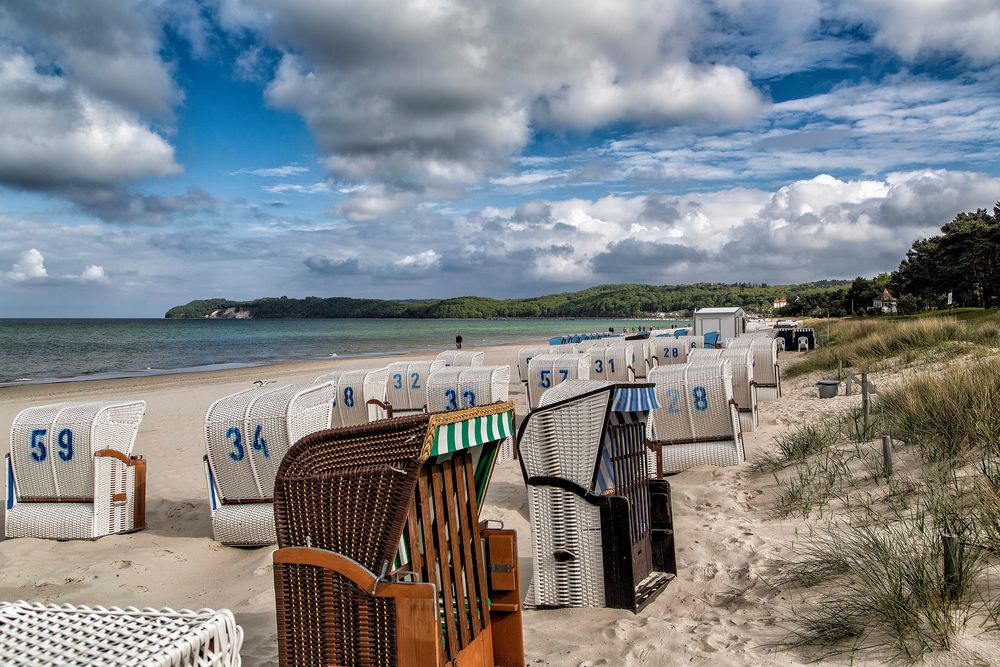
x=458, y=342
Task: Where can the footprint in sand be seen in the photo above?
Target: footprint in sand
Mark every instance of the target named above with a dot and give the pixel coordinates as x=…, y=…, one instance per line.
x=121, y=564
x=262, y=570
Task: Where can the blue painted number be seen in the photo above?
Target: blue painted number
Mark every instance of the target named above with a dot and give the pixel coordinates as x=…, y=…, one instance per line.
x=563, y=374
x=236, y=436
x=700, y=398
x=452, y=399
x=38, y=452
x=546, y=379
x=611, y=365
x=469, y=398
x=259, y=443
x=349, y=397
x=397, y=381
x=65, y=440
x=598, y=365
x=675, y=397
x=416, y=380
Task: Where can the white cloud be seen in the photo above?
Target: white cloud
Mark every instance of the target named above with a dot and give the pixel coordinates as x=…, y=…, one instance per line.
x=93, y=274
x=423, y=98
x=915, y=28
x=275, y=172
x=30, y=267
x=424, y=260
x=319, y=187
x=55, y=134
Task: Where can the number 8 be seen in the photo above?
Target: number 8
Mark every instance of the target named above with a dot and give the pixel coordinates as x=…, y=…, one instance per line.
x=700, y=398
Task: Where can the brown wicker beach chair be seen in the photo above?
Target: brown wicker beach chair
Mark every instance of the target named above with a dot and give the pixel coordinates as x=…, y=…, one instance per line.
x=383, y=558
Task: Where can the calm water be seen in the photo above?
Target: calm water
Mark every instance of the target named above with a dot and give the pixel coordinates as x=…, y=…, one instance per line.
x=45, y=350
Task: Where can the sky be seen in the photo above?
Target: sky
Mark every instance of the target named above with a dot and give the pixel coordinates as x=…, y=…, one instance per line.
x=158, y=151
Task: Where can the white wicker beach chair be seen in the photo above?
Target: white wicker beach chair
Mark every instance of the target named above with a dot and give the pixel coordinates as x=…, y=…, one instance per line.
x=524, y=357
x=602, y=531
x=455, y=388
x=71, y=473
x=744, y=389
x=766, y=374
x=246, y=436
x=671, y=351
x=548, y=370
x=406, y=388
x=697, y=422
x=613, y=362
x=361, y=395
x=565, y=348
x=33, y=634
x=702, y=353
x=461, y=358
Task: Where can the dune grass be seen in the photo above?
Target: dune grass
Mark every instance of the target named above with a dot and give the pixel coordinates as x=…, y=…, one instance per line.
x=866, y=344
x=872, y=577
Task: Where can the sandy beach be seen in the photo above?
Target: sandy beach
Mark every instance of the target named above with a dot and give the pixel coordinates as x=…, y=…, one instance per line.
x=717, y=612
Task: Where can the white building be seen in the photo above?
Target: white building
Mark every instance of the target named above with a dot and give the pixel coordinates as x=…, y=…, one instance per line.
x=729, y=322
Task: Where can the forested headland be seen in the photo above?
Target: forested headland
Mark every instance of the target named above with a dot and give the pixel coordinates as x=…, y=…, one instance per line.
x=627, y=301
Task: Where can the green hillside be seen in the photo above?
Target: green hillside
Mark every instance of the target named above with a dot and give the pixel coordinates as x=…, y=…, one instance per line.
x=600, y=301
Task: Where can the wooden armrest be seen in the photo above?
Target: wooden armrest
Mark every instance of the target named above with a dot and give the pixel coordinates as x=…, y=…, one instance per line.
x=362, y=577
x=115, y=454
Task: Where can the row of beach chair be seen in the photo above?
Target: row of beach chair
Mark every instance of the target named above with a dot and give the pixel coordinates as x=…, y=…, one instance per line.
x=383, y=556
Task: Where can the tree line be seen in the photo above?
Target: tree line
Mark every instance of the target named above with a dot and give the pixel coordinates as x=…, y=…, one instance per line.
x=619, y=301
x=963, y=260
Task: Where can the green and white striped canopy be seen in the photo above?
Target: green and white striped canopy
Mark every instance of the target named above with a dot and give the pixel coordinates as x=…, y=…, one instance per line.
x=473, y=432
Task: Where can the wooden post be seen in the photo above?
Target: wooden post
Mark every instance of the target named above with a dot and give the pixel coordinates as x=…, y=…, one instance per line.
x=840, y=369
x=849, y=387
x=952, y=563
x=866, y=409
x=887, y=455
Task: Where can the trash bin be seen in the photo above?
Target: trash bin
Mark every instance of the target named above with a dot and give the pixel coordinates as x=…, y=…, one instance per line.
x=828, y=388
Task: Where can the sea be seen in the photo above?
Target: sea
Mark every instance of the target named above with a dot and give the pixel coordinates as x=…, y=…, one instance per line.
x=61, y=350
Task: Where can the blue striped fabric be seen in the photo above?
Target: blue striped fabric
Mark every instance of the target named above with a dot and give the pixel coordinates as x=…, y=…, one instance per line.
x=635, y=399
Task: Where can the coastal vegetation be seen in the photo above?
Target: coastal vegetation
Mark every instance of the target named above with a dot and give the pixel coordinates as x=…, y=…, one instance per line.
x=619, y=301
x=897, y=561
x=963, y=261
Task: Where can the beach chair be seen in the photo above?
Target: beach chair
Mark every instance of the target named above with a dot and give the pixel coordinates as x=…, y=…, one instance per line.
x=671, y=350
x=453, y=388
x=744, y=390
x=32, y=633
x=384, y=559
x=71, y=474
x=461, y=358
x=602, y=530
x=406, y=387
x=361, y=395
x=766, y=374
x=524, y=357
x=565, y=348
x=548, y=370
x=613, y=362
x=246, y=434
x=696, y=422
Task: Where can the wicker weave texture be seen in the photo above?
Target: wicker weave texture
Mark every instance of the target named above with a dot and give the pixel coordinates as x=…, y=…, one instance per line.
x=466, y=387
x=678, y=458
x=34, y=634
x=670, y=350
x=548, y=370
x=354, y=390
x=52, y=446
x=244, y=524
x=613, y=362
x=696, y=410
x=248, y=433
x=406, y=389
x=562, y=522
x=52, y=456
x=524, y=357
x=461, y=358
x=565, y=348
x=744, y=390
